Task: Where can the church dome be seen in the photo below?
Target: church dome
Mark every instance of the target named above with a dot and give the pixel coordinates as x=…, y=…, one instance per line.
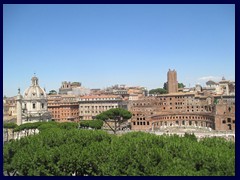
x=34, y=91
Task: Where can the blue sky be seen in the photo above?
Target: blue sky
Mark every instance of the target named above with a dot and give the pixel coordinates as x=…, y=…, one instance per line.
x=104, y=45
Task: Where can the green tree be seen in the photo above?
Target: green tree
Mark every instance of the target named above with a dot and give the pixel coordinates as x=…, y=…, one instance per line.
x=94, y=124
x=117, y=115
x=165, y=86
x=158, y=91
x=60, y=151
x=181, y=85
x=52, y=92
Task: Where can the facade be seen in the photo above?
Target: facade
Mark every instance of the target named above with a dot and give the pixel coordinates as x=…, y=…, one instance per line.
x=90, y=106
x=182, y=110
x=73, y=88
x=225, y=115
x=125, y=92
x=223, y=87
x=9, y=108
x=63, y=108
x=67, y=86
x=179, y=109
x=32, y=106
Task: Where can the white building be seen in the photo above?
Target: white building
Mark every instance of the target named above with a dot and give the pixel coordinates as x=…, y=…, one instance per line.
x=33, y=104
x=92, y=105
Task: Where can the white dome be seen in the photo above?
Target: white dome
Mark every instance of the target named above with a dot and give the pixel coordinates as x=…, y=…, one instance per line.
x=34, y=91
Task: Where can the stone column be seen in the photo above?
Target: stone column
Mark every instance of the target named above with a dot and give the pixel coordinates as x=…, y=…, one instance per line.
x=19, y=108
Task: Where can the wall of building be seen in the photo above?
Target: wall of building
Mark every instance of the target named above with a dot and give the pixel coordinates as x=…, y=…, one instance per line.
x=90, y=106
x=64, y=108
x=180, y=109
x=225, y=116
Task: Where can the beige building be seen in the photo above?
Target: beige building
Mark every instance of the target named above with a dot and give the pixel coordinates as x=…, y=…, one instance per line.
x=73, y=88
x=90, y=106
x=9, y=108
x=223, y=87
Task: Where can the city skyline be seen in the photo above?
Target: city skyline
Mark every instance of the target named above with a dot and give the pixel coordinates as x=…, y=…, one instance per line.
x=104, y=45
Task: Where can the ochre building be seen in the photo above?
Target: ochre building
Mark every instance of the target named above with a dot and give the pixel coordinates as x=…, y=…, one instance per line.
x=63, y=108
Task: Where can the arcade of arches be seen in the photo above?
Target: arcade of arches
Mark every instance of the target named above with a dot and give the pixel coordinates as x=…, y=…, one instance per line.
x=183, y=120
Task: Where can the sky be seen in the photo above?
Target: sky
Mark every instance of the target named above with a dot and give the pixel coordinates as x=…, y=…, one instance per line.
x=103, y=45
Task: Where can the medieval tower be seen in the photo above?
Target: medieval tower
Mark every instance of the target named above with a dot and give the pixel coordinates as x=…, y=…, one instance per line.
x=172, y=83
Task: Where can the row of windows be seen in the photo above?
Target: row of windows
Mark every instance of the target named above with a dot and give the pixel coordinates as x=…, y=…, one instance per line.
x=164, y=103
x=229, y=120
x=196, y=110
x=55, y=113
x=96, y=99
x=34, y=94
x=72, y=114
x=162, y=123
x=185, y=117
x=90, y=112
x=100, y=102
x=62, y=105
x=141, y=123
x=65, y=110
x=34, y=105
x=196, y=107
x=66, y=119
x=138, y=114
x=141, y=118
x=142, y=109
x=96, y=107
x=140, y=104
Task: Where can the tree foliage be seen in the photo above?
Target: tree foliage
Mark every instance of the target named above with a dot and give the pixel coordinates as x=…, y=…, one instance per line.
x=9, y=125
x=52, y=92
x=158, y=91
x=181, y=85
x=61, y=151
x=118, y=115
x=94, y=124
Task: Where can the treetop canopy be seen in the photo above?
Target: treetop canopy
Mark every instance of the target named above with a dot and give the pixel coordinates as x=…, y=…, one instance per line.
x=114, y=114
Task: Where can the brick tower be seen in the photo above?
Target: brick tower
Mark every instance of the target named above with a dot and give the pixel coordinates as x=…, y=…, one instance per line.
x=172, y=83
